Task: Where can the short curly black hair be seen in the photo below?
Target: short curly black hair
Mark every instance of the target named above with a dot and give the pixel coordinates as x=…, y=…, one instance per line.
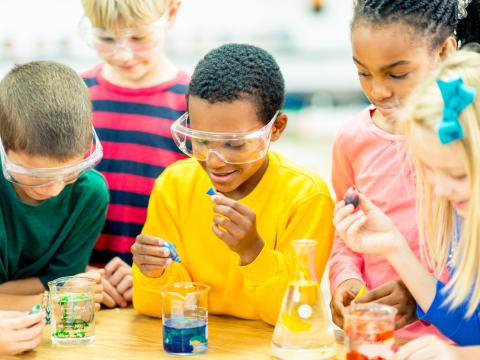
x=240, y=72
x=434, y=19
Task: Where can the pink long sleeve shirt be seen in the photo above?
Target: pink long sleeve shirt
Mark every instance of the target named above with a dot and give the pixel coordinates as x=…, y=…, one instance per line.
x=374, y=161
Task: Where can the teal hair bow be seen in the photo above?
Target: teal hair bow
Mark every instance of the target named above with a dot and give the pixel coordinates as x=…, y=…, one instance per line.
x=456, y=97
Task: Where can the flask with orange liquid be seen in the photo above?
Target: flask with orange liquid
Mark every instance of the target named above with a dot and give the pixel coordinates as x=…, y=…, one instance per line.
x=304, y=330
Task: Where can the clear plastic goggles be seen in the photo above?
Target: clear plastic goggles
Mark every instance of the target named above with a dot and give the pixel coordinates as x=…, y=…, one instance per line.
x=128, y=39
x=34, y=177
x=232, y=148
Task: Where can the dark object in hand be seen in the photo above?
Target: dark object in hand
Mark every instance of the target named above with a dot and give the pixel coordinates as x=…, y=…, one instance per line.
x=351, y=197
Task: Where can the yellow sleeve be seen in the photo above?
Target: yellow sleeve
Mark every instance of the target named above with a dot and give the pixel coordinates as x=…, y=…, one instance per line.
x=267, y=277
x=163, y=222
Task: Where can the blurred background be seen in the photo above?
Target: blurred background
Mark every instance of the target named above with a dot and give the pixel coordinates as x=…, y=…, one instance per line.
x=309, y=38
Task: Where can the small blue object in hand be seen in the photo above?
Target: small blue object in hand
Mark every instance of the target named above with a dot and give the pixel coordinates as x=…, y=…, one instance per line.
x=173, y=251
x=211, y=192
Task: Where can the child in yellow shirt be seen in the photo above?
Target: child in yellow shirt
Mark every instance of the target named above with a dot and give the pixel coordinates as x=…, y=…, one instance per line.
x=238, y=240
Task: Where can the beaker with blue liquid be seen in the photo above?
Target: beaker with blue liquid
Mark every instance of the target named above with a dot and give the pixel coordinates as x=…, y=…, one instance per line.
x=185, y=318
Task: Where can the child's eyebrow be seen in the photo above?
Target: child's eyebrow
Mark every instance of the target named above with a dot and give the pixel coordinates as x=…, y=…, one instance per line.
x=385, y=67
x=358, y=62
x=397, y=63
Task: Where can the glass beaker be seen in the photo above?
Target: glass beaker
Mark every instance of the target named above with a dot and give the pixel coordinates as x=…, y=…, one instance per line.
x=185, y=318
x=304, y=330
x=72, y=310
x=369, y=331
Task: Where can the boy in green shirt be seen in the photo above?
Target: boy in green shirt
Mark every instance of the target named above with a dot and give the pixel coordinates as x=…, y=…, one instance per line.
x=52, y=204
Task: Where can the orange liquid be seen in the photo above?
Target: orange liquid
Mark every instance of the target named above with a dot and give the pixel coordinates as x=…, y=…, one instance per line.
x=353, y=355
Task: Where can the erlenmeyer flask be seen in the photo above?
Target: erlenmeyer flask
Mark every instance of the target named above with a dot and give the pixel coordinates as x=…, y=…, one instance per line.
x=303, y=330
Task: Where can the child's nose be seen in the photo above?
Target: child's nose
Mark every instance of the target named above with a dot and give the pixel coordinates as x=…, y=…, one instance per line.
x=214, y=161
x=442, y=190
x=123, y=53
x=380, y=92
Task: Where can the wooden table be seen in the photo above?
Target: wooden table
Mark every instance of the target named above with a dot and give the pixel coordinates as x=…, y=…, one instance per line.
x=125, y=334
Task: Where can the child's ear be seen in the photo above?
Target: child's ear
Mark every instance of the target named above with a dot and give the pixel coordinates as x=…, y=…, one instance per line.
x=448, y=47
x=173, y=12
x=279, y=126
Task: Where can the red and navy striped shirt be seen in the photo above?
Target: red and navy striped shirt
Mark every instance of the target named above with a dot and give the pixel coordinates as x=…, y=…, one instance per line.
x=134, y=128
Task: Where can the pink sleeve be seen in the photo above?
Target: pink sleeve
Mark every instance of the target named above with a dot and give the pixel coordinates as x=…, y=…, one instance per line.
x=344, y=263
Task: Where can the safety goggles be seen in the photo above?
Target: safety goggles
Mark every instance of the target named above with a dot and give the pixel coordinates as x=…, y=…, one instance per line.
x=128, y=39
x=35, y=177
x=232, y=148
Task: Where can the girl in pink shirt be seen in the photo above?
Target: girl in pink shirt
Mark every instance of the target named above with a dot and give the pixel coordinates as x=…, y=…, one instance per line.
x=395, y=43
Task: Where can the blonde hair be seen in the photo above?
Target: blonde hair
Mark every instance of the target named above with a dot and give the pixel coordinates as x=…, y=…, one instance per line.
x=436, y=217
x=112, y=15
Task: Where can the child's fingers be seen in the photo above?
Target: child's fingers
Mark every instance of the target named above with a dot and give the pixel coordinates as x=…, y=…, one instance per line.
x=28, y=334
x=128, y=295
x=411, y=348
x=220, y=199
x=226, y=224
x=98, y=298
x=338, y=206
x=96, y=275
x=149, y=240
x=365, y=203
x=24, y=321
x=375, y=294
x=355, y=227
x=22, y=346
x=99, y=289
x=144, y=249
x=337, y=311
x=343, y=213
x=402, y=321
x=101, y=274
x=113, y=265
x=145, y=264
x=119, y=274
x=230, y=213
x=125, y=284
x=107, y=300
x=146, y=269
x=343, y=225
x=223, y=235
x=4, y=314
x=113, y=293
x=152, y=260
x=217, y=231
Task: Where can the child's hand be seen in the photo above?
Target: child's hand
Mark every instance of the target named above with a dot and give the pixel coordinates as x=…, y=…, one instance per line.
x=367, y=231
x=150, y=256
x=342, y=296
x=111, y=297
x=395, y=294
x=427, y=348
x=20, y=332
x=237, y=228
x=118, y=282
x=97, y=275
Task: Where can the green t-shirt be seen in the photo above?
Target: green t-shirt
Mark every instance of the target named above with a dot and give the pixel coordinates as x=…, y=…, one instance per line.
x=54, y=238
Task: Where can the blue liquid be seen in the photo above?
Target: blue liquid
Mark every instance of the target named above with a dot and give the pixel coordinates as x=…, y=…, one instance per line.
x=185, y=336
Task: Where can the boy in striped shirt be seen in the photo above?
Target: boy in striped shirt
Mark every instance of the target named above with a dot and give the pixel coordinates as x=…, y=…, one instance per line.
x=136, y=93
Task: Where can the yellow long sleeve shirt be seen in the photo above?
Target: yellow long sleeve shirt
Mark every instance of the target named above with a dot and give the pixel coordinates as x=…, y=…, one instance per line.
x=290, y=203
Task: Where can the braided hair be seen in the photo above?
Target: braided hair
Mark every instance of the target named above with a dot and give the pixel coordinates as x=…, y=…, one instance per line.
x=436, y=19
